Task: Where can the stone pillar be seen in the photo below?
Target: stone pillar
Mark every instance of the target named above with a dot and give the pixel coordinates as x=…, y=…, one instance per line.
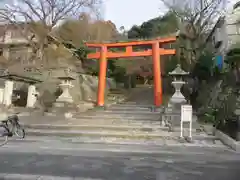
x=8, y=91
x=6, y=53
x=1, y=95
x=31, y=98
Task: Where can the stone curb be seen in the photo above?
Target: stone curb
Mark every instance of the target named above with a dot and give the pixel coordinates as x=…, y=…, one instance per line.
x=76, y=148
x=32, y=177
x=138, y=135
x=128, y=142
x=227, y=140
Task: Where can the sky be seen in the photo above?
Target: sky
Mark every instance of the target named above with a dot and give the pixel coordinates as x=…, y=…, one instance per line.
x=126, y=13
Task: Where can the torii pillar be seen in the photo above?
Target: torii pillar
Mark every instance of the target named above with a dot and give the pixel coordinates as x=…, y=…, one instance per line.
x=102, y=76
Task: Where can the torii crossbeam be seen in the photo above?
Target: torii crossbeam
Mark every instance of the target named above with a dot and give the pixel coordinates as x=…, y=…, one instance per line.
x=155, y=52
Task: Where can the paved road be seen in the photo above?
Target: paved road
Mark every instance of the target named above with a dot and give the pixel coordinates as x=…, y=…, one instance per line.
x=64, y=161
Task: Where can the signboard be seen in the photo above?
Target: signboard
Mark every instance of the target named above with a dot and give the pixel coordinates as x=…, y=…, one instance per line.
x=186, y=116
x=186, y=113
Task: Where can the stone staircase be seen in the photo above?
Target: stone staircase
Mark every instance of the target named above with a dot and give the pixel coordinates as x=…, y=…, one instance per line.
x=126, y=123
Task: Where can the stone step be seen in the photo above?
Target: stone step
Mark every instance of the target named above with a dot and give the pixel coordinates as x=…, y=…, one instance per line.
x=121, y=108
x=115, y=144
x=123, y=114
x=127, y=122
x=118, y=121
x=112, y=133
x=128, y=112
x=132, y=105
x=15, y=176
x=114, y=127
x=88, y=120
x=117, y=117
x=111, y=127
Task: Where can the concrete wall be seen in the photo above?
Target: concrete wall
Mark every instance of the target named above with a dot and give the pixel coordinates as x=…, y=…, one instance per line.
x=228, y=32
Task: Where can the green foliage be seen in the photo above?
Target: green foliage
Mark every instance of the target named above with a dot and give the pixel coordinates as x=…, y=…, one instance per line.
x=233, y=60
x=171, y=64
x=82, y=51
x=233, y=56
x=222, y=110
x=210, y=116
x=155, y=27
x=119, y=74
x=204, y=67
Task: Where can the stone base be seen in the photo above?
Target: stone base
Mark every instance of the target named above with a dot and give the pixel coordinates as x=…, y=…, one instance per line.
x=63, y=108
x=173, y=113
x=156, y=109
x=65, y=99
x=100, y=107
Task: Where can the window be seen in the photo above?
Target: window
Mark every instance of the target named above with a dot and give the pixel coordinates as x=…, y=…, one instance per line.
x=15, y=34
x=238, y=29
x=214, y=40
x=232, y=29
x=18, y=54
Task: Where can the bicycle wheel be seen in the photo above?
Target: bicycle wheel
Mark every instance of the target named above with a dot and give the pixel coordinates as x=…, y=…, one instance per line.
x=19, y=131
x=3, y=135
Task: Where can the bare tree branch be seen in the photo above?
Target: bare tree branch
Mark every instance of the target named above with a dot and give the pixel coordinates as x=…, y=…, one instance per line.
x=35, y=19
x=199, y=15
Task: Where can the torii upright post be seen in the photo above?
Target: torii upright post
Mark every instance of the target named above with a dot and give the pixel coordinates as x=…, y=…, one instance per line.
x=157, y=74
x=155, y=52
x=102, y=76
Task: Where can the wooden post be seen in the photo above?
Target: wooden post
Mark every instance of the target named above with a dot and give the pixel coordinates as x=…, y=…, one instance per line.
x=102, y=76
x=157, y=74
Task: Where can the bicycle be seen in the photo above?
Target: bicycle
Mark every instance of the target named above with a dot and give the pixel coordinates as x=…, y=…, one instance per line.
x=10, y=127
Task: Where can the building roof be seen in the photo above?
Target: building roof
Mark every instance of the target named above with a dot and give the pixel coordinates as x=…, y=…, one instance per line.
x=20, y=78
x=236, y=5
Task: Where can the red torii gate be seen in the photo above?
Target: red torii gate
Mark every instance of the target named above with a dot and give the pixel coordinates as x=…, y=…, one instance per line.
x=155, y=52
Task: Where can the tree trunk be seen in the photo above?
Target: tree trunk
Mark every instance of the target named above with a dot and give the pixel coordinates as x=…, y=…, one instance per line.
x=238, y=73
x=129, y=81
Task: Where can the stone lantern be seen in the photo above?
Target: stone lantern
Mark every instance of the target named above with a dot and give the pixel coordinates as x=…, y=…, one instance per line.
x=66, y=84
x=173, y=110
x=64, y=103
x=177, y=83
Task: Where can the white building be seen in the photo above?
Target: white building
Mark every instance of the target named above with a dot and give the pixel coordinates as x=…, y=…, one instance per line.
x=226, y=32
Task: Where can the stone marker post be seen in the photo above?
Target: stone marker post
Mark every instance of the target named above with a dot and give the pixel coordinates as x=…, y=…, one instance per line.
x=31, y=98
x=8, y=91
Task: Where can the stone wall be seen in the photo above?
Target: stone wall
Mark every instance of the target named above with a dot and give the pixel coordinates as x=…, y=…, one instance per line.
x=84, y=86
x=84, y=89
